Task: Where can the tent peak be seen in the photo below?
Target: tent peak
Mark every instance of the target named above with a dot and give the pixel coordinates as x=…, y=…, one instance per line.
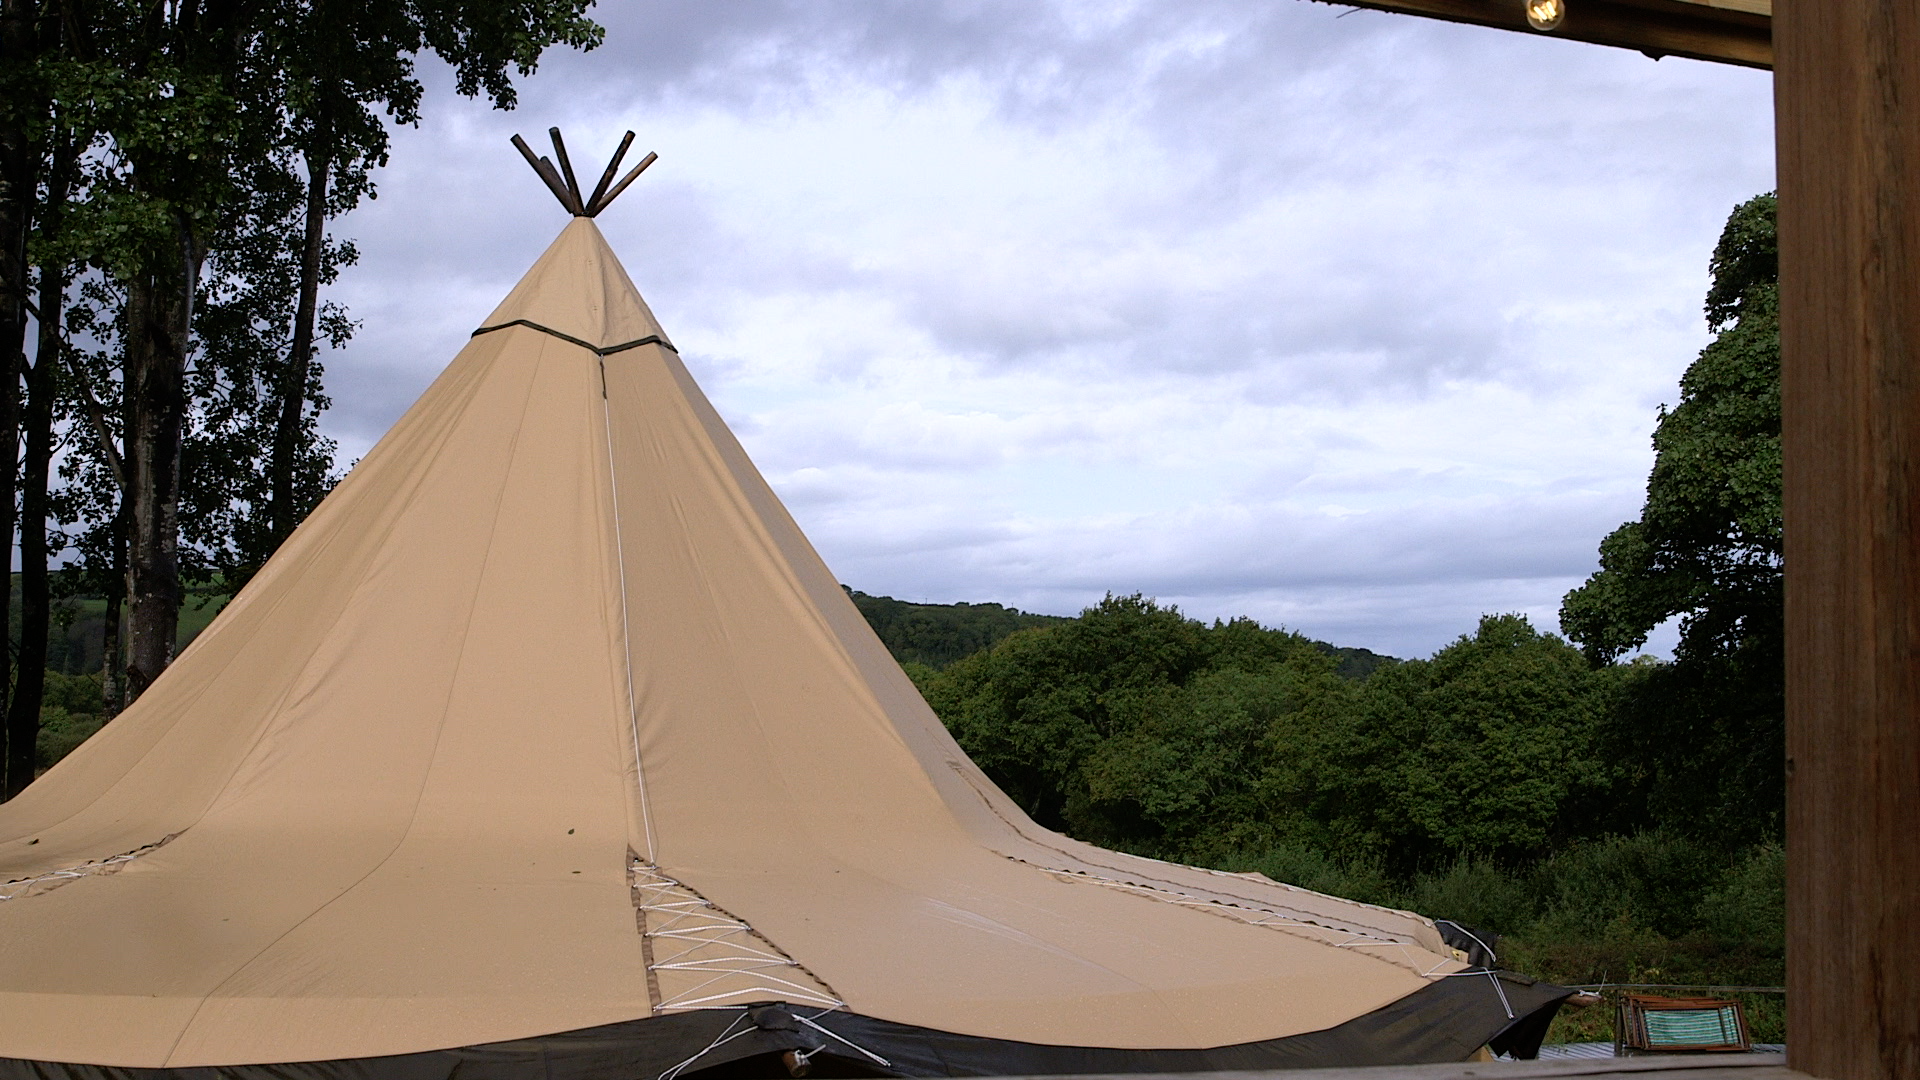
x=566, y=188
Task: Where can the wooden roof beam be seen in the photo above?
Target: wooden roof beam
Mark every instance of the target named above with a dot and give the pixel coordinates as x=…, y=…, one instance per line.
x=1725, y=31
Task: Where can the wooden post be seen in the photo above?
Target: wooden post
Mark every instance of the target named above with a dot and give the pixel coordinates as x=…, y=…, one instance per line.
x=1847, y=98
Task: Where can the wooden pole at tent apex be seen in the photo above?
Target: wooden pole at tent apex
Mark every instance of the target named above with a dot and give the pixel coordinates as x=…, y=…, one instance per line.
x=566, y=188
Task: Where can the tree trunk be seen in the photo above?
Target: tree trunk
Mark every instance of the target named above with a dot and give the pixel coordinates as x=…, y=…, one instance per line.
x=23, y=712
x=113, y=665
x=159, y=312
x=16, y=207
x=36, y=601
x=283, y=510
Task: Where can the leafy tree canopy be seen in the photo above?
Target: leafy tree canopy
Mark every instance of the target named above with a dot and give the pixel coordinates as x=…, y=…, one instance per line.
x=1137, y=727
x=938, y=634
x=1707, y=730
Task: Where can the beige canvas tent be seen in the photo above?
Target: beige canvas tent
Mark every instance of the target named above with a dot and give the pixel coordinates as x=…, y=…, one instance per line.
x=547, y=746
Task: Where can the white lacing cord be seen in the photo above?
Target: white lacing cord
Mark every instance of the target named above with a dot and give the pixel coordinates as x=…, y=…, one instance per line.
x=727, y=1035
x=1502, y=991
x=808, y=1020
x=1488, y=971
x=1490, y=974
x=713, y=942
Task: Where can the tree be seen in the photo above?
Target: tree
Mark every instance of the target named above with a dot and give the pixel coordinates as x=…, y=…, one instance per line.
x=1033, y=709
x=936, y=635
x=1707, y=731
x=211, y=106
x=247, y=305
x=1219, y=766
x=55, y=262
x=1134, y=727
x=342, y=62
x=35, y=148
x=1488, y=749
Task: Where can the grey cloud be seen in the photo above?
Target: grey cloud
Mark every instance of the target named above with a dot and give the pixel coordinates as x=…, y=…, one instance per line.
x=1404, y=581
x=1274, y=98
x=1300, y=207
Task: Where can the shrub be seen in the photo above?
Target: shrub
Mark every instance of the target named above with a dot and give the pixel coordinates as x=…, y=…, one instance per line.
x=1652, y=881
x=1750, y=906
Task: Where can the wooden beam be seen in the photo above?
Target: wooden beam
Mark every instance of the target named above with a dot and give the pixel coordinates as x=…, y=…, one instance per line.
x=1847, y=113
x=1727, y=31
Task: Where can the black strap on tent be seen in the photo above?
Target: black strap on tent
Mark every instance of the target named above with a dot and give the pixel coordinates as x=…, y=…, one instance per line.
x=650, y=339
x=566, y=187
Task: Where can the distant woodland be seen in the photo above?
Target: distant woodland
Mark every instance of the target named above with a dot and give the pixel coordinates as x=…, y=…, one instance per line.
x=932, y=636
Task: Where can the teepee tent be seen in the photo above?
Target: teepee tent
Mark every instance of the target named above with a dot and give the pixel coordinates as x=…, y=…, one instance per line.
x=548, y=747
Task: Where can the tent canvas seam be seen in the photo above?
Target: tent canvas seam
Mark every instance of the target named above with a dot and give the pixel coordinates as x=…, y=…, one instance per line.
x=626, y=625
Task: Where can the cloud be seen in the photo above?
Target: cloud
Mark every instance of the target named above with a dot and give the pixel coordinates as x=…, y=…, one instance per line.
x=1355, y=323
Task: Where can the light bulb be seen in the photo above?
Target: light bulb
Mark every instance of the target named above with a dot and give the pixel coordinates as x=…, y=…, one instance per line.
x=1545, y=14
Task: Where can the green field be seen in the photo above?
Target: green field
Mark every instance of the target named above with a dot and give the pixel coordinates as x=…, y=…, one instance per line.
x=79, y=623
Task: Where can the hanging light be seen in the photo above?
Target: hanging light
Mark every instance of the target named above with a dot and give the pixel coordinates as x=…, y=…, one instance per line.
x=1546, y=14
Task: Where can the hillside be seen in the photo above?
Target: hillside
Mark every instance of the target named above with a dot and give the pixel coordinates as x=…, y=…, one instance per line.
x=938, y=634
x=79, y=622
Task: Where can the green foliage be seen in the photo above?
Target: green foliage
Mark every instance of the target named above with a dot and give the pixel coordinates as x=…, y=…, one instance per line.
x=938, y=634
x=1198, y=766
x=1477, y=893
x=1476, y=785
x=1136, y=727
x=78, y=694
x=1707, y=545
x=1310, y=867
x=1031, y=709
x=244, y=321
x=920, y=673
x=1651, y=881
x=1749, y=906
x=72, y=709
x=1706, y=733
x=1488, y=748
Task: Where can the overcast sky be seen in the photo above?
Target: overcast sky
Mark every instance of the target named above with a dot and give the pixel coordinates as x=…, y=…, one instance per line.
x=1350, y=322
